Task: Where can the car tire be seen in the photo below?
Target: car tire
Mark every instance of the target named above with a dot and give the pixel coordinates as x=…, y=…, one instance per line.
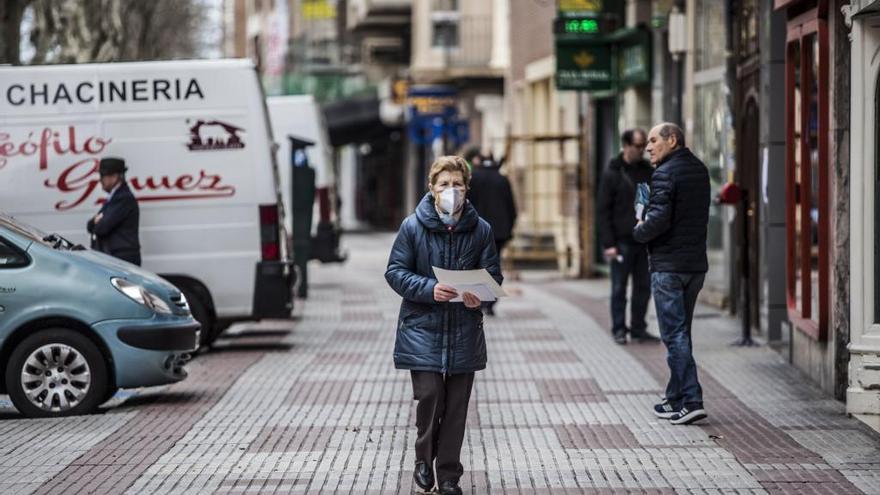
x=56, y=372
x=201, y=313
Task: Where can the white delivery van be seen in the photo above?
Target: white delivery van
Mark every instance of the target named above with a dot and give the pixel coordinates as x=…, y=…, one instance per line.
x=300, y=116
x=195, y=137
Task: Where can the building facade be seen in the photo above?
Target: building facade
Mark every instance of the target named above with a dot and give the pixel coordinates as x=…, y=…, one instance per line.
x=863, y=392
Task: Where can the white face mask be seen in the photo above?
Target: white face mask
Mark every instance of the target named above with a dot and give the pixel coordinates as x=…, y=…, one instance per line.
x=451, y=200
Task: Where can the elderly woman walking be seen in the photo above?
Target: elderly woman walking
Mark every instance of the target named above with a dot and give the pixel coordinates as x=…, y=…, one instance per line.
x=441, y=342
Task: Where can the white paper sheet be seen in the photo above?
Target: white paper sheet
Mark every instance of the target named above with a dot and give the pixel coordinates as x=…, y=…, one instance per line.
x=479, y=282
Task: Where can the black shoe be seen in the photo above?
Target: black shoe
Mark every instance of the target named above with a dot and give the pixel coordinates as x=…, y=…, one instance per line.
x=644, y=337
x=620, y=337
x=688, y=416
x=423, y=475
x=449, y=487
x=665, y=410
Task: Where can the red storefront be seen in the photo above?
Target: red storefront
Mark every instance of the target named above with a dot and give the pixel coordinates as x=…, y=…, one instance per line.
x=817, y=115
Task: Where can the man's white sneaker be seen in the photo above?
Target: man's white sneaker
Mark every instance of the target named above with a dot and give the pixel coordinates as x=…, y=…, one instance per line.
x=686, y=416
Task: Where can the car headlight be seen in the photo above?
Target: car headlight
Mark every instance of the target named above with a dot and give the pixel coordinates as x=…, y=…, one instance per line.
x=141, y=295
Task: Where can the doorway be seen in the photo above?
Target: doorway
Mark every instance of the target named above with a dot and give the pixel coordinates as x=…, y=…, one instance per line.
x=749, y=172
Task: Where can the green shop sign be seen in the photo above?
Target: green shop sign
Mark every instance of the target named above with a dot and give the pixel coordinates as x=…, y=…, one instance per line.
x=584, y=66
x=633, y=58
x=605, y=62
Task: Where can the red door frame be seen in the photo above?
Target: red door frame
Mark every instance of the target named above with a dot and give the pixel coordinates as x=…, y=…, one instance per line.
x=799, y=29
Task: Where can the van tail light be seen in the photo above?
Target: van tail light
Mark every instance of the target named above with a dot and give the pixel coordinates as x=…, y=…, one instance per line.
x=269, y=233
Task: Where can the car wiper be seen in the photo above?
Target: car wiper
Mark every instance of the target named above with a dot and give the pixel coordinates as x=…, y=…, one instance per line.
x=58, y=241
x=55, y=239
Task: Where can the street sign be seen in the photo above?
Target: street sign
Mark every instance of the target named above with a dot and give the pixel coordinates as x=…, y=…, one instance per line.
x=583, y=66
x=433, y=114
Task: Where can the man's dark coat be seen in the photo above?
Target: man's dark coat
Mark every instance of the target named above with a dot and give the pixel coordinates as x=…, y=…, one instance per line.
x=117, y=232
x=617, y=194
x=491, y=195
x=676, y=224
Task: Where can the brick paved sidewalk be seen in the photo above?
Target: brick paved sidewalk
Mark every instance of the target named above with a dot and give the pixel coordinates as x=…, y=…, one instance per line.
x=315, y=406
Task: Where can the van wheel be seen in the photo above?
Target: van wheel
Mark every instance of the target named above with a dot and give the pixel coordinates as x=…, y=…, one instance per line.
x=200, y=312
x=56, y=372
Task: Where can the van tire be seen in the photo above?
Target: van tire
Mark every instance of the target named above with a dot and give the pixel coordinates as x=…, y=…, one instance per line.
x=200, y=312
x=81, y=349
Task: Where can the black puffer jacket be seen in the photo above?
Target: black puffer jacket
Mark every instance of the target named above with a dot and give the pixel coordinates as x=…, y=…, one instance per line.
x=676, y=224
x=432, y=336
x=617, y=194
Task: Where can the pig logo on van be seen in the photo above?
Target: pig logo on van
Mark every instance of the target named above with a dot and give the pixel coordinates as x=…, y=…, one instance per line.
x=214, y=135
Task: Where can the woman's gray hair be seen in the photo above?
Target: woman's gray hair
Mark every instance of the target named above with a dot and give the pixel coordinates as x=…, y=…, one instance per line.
x=668, y=130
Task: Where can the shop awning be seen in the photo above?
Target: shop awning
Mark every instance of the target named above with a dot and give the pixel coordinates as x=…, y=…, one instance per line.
x=353, y=121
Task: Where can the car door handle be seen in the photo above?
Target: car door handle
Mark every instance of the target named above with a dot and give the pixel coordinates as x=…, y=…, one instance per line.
x=2, y=309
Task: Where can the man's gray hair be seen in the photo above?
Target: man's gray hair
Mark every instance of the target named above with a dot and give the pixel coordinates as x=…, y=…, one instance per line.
x=668, y=130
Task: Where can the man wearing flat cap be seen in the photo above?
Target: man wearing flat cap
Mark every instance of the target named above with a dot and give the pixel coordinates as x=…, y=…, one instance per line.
x=114, y=228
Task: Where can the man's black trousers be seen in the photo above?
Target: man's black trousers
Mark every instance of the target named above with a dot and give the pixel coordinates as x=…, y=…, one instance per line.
x=441, y=415
x=635, y=265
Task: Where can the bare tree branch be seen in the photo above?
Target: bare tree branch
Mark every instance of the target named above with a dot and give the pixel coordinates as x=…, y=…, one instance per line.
x=77, y=31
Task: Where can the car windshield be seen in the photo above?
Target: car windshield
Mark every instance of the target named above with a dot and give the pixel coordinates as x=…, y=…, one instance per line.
x=35, y=234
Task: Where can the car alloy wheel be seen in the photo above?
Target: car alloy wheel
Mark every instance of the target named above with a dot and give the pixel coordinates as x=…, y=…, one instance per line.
x=57, y=372
x=56, y=377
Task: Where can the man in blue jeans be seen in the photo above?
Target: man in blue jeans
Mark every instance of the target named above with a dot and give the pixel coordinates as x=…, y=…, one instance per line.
x=674, y=229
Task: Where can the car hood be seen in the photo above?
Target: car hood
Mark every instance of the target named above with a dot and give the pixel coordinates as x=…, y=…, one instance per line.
x=115, y=267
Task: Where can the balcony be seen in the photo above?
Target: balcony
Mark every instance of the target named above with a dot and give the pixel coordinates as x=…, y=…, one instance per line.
x=460, y=46
x=378, y=15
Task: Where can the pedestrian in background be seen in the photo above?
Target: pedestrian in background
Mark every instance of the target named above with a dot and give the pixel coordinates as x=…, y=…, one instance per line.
x=114, y=229
x=675, y=229
x=473, y=157
x=617, y=217
x=441, y=342
x=491, y=194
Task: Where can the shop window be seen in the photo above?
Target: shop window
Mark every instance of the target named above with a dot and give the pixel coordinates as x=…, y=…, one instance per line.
x=748, y=29
x=711, y=35
x=445, y=20
x=807, y=176
x=709, y=145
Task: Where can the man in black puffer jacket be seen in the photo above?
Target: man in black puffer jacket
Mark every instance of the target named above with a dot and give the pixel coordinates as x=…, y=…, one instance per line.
x=616, y=219
x=675, y=229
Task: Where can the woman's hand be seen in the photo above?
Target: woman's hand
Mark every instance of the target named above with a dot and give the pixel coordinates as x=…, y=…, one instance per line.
x=444, y=293
x=471, y=300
